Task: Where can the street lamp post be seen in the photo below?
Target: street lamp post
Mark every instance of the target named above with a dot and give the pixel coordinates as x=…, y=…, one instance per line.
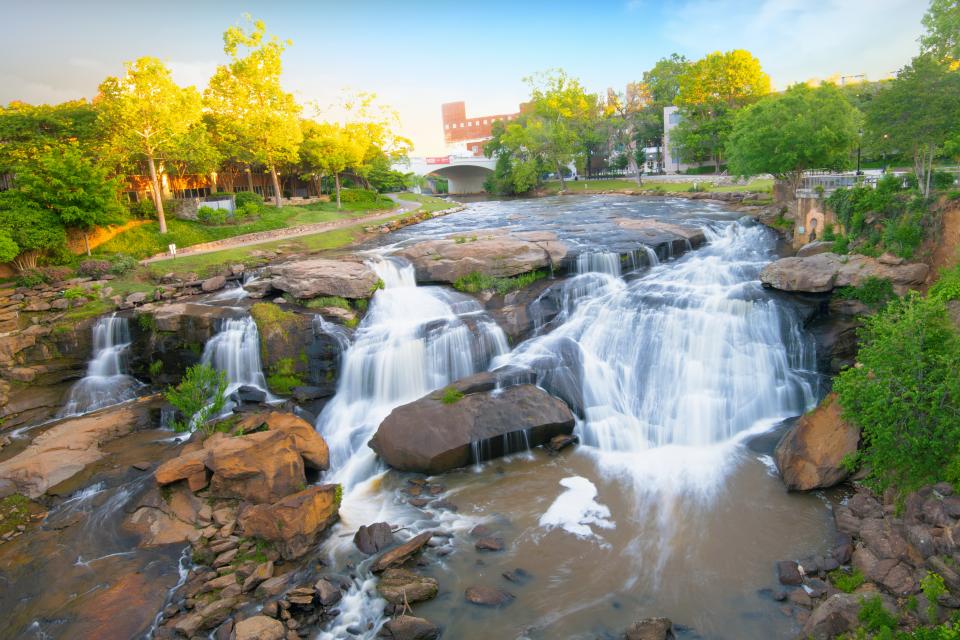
x=859, y=141
x=886, y=136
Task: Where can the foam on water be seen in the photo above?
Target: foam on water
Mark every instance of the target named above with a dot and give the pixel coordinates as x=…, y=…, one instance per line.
x=576, y=510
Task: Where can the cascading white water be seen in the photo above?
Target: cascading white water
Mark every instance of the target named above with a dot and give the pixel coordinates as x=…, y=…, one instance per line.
x=106, y=382
x=412, y=340
x=235, y=350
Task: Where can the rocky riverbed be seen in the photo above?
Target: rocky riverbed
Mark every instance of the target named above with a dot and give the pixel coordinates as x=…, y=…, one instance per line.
x=584, y=453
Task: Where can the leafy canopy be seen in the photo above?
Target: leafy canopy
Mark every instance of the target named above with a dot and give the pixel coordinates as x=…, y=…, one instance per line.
x=788, y=133
x=905, y=396
x=942, y=39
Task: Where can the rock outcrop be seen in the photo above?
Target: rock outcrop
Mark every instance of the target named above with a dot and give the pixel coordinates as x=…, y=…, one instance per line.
x=493, y=252
x=293, y=523
x=435, y=433
x=316, y=277
x=823, y=272
x=810, y=455
x=69, y=446
x=655, y=232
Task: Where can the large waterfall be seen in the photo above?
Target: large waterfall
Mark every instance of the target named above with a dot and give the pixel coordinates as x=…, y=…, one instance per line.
x=412, y=340
x=106, y=382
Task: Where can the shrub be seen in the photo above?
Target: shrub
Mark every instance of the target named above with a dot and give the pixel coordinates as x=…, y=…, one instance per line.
x=94, y=268
x=874, y=617
x=249, y=199
x=156, y=368
x=477, y=282
x=947, y=287
x=905, y=394
x=31, y=278
x=327, y=301
x=873, y=291
x=211, y=216
x=943, y=180
x=358, y=196
x=283, y=378
x=121, y=263
x=933, y=587
x=249, y=210
x=74, y=293
x=846, y=581
x=57, y=274
x=199, y=396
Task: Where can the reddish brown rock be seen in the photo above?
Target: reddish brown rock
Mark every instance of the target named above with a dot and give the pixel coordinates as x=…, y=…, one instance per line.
x=811, y=453
x=398, y=555
x=261, y=467
x=308, y=442
x=295, y=522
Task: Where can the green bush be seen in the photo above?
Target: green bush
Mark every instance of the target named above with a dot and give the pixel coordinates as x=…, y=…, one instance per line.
x=905, y=394
x=947, y=287
x=873, y=291
x=846, y=581
x=249, y=199
x=73, y=293
x=933, y=587
x=943, y=180
x=327, y=301
x=200, y=396
x=283, y=377
x=358, y=196
x=30, y=278
x=874, y=617
x=249, y=210
x=211, y=216
x=121, y=263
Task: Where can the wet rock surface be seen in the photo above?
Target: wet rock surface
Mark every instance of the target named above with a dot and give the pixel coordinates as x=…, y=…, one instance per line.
x=826, y=271
x=433, y=436
x=811, y=453
x=317, y=277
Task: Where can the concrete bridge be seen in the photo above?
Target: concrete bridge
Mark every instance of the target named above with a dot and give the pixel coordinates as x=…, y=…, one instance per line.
x=465, y=175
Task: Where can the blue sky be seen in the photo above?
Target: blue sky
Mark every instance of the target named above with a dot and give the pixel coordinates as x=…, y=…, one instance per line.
x=417, y=55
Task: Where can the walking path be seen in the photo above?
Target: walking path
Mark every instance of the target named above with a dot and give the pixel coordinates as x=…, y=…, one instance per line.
x=405, y=206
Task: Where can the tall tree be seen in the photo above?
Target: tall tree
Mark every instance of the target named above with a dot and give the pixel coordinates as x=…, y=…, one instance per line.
x=77, y=190
x=942, y=39
x=145, y=113
x=33, y=231
x=709, y=92
x=27, y=131
x=788, y=133
x=253, y=114
x=329, y=150
x=919, y=113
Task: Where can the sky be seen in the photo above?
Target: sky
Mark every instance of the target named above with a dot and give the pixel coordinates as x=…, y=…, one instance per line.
x=417, y=55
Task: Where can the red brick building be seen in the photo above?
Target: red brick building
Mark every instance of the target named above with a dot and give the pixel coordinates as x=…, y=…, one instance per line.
x=461, y=133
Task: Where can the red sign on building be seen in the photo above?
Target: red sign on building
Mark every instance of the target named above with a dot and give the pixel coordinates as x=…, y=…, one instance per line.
x=439, y=160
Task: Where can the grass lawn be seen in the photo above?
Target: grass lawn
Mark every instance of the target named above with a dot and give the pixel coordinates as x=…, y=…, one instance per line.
x=427, y=203
x=764, y=186
x=204, y=264
x=145, y=240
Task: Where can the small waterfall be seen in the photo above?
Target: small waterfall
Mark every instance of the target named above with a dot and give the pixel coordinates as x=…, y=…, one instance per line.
x=599, y=262
x=412, y=340
x=235, y=349
x=106, y=382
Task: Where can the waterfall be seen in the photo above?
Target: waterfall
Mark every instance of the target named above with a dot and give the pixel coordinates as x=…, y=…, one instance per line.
x=235, y=350
x=106, y=381
x=683, y=360
x=411, y=341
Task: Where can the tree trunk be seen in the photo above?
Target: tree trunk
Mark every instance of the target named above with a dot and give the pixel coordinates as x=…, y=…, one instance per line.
x=157, y=198
x=213, y=182
x=277, y=194
x=336, y=181
x=250, y=178
x=26, y=261
x=86, y=242
x=563, y=185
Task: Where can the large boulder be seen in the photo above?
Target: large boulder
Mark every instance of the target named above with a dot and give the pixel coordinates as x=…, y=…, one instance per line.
x=260, y=467
x=435, y=433
x=399, y=586
x=823, y=272
x=316, y=277
x=295, y=522
x=651, y=629
x=810, y=455
x=839, y=614
x=491, y=252
x=260, y=628
x=656, y=232
x=307, y=441
x=408, y=627
x=68, y=447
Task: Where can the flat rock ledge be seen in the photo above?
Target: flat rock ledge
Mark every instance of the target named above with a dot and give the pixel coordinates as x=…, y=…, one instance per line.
x=823, y=272
x=491, y=252
x=317, y=277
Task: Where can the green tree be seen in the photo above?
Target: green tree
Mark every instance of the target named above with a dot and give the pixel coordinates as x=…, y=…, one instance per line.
x=918, y=113
x=905, y=394
x=942, y=38
x=34, y=230
x=9, y=250
x=788, y=133
x=73, y=187
x=201, y=395
x=709, y=93
x=27, y=131
x=145, y=113
x=329, y=150
x=254, y=117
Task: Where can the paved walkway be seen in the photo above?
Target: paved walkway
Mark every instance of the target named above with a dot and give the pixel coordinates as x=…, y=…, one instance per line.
x=261, y=237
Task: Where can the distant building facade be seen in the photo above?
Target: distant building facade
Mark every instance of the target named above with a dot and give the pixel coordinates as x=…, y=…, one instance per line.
x=466, y=136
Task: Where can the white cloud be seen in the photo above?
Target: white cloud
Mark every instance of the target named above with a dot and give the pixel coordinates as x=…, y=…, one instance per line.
x=797, y=40
x=195, y=74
